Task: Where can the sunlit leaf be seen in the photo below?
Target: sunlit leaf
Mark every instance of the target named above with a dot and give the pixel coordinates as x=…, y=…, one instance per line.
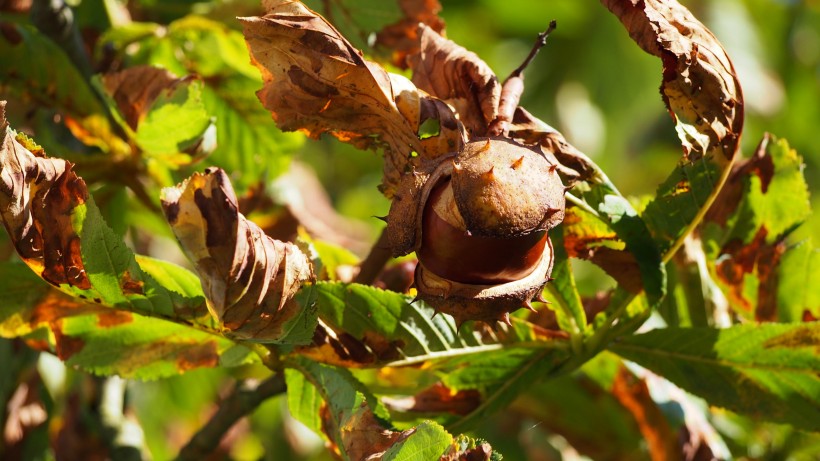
x=248, y=140
x=106, y=341
x=57, y=230
x=703, y=96
x=250, y=279
x=317, y=82
x=766, y=371
x=745, y=235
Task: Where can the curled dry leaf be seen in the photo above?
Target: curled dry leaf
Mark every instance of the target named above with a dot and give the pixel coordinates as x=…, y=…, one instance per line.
x=457, y=76
x=38, y=197
x=699, y=85
x=317, y=82
x=248, y=277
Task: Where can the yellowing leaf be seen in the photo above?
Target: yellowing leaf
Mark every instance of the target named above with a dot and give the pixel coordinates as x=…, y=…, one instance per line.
x=250, y=279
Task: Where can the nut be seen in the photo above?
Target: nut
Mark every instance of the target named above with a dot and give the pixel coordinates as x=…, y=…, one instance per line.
x=478, y=221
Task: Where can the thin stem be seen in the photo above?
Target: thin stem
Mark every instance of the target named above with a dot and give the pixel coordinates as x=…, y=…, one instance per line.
x=536, y=47
x=375, y=261
x=242, y=401
x=513, y=88
x=55, y=19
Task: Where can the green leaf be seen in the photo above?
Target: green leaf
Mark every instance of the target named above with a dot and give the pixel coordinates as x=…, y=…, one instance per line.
x=382, y=328
x=428, y=441
x=180, y=108
x=248, y=138
x=141, y=347
x=768, y=371
x=304, y=401
x=358, y=19
x=70, y=94
x=570, y=315
x=107, y=341
x=746, y=236
x=798, y=276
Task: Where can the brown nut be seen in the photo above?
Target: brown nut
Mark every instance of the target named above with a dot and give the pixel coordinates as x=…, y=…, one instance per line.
x=478, y=222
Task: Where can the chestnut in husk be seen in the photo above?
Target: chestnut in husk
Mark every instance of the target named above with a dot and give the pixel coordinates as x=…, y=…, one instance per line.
x=478, y=221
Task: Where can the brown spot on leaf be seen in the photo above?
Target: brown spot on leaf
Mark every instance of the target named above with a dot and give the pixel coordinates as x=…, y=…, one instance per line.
x=198, y=356
x=131, y=286
x=135, y=89
x=248, y=277
x=38, y=196
x=802, y=336
x=311, y=85
x=67, y=346
x=633, y=393
x=111, y=318
x=10, y=33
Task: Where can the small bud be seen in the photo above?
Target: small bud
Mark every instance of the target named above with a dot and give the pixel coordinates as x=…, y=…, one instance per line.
x=517, y=164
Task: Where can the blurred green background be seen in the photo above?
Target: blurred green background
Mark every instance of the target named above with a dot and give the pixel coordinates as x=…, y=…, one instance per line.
x=593, y=84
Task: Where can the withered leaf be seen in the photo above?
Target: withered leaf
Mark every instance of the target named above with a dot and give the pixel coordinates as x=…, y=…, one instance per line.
x=393, y=24
x=249, y=278
x=437, y=398
x=38, y=196
x=317, y=82
x=457, y=76
x=699, y=84
x=633, y=393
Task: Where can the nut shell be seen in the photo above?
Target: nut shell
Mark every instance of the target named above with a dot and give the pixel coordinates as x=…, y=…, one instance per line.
x=503, y=188
x=486, y=303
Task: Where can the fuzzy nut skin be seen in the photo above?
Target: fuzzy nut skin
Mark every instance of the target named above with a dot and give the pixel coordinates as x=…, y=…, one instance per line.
x=504, y=188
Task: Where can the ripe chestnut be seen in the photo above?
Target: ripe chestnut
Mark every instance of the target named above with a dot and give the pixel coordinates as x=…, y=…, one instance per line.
x=452, y=252
x=478, y=221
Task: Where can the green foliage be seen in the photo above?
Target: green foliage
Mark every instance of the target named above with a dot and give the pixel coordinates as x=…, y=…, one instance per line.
x=768, y=371
x=717, y=250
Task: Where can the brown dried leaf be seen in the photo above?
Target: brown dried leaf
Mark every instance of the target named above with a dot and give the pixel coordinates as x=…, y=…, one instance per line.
x=633, y=394
x=365, y=438
x=316, y=82
x=402, y=36
x=248, y=277
x=135, y=89
x=37, y=198
x=459, y=77
x=437, y=398
x=699, y=84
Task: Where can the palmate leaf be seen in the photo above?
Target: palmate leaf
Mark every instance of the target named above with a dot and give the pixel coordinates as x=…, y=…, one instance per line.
x=767, y=371
x=107, y=341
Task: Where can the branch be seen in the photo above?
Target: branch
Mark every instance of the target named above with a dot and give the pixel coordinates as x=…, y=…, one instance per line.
x=372, y=265
x=242, y=401
x=55, y=20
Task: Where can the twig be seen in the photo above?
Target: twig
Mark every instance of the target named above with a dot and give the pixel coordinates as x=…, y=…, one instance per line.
x=55, y=19
x=240, y=403
x=373, y=264
x=513, y=88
